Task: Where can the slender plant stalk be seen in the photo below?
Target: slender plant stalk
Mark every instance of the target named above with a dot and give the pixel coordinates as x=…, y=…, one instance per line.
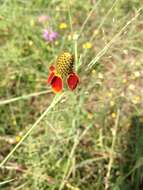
x=104, y=50
x=56, y=99
x=3, y=102
x=111, y=159
x=7, y=181
x=68, y=170
x=87, y=18
x=103, y=20
x=99, y=27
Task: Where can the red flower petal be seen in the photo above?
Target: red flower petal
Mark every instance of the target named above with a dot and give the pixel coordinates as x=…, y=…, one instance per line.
x=72, y=81
x=52, y=74
x=57, y=84
x=52, y=68
x=50, y=78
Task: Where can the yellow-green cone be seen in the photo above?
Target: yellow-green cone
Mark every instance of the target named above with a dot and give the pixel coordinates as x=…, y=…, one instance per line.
x=64, y=64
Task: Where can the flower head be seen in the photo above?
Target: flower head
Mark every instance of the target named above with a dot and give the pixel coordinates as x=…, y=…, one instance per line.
x=17, y=138
x=50, y=35
x=63, y=25
x=87, y=45
x=62, y=70
x=43, y=18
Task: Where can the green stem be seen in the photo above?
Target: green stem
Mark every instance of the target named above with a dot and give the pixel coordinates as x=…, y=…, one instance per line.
x=54, y=102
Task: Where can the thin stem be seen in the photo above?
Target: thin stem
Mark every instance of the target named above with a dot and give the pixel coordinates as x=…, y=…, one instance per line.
x=112, y=150
x=103, y=20
x=69, y=15
x=7, y=181
x=104, y=50
x=87, y=18
x=68, y=170
x=56, y=99
x=3, y=102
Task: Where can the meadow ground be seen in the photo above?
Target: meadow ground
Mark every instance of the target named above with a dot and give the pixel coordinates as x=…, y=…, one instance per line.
x=87, y=139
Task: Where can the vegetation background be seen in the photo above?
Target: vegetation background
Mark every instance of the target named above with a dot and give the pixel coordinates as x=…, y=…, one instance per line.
x=88, y=139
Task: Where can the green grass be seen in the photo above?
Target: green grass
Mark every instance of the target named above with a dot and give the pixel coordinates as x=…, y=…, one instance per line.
x=90, y=138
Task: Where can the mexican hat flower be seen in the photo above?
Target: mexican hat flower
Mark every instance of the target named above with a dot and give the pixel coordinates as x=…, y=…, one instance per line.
x=63, y=70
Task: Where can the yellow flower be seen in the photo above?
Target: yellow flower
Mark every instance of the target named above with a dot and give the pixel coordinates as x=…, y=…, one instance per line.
x=124, y=81
x=87, y=45
x=17, y=138
x=63, y=25
x=93, y=71
x=113, y=115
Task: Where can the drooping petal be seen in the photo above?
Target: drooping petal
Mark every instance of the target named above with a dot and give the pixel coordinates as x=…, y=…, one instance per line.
x=72, y=81
x=52, y=68
x=50, y=78
x=57, y=84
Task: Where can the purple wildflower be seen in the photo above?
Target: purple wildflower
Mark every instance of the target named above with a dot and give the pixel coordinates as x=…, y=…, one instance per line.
x=50, y=35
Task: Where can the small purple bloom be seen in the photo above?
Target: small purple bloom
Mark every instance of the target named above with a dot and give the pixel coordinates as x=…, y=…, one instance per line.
x=50, y=35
